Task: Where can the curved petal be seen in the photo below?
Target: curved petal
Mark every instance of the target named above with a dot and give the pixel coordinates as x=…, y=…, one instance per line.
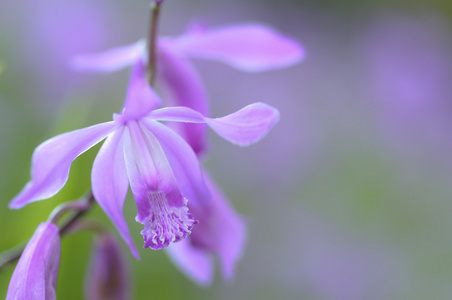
x=177, y=114
x=110, y=184
x=182, y=86
x=246, y=126
x=36, y=273
x=110, y=60
x=183, y=161
x=195, y=263
x=228, y=227
x=52, y=160
x=248, y=47
x=141, y=98
x=221, y=232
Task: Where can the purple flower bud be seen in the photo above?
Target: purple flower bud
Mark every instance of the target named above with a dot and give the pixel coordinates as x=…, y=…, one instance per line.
x=108, y=273
x=36, y=273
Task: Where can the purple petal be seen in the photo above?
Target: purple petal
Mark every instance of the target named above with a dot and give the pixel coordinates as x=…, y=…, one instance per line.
x=110, y=183
x=183, y=161
x=182, y=86
x=246, y=126
x=141, y=98
x=228, y=227
x=195, y=263
x=161, y=208
x=36, y=272
x=220, y=232
x=110, y=60
x=52, y=159
x=108, y=274
x=138, y=150
x=249, y=47
x=177, y=114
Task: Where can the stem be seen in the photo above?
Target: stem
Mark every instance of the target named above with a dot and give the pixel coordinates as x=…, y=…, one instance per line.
x=81, y=207
x=89, y=204
x=152, y=41
x=88, y=225
x=61, y=209
x=10, y=256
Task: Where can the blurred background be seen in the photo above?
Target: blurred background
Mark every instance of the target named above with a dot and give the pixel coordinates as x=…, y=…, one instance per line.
x=348, y=197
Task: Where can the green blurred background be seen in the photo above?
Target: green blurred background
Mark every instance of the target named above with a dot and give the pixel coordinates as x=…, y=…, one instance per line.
x=349, y=197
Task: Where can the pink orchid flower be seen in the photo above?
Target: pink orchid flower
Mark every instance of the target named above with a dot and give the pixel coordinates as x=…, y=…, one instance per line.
x=162, y=169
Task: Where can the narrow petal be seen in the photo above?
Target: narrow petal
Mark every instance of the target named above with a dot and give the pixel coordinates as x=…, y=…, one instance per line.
x=36, y=273
x=110, y=60
x=177, y=114
x=183, y=161
x=110, y=184
x=161, y=208
x=229, y=228
x=141, y=98
x=244, y=127
x=52, y=159
x=182, y=86
x=195, y=263
x=108, y=276
x=248, y=47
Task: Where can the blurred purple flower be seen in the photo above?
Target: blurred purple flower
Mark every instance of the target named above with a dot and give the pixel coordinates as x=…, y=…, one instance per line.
x=409, y=67
x=221, y=232
x=36, y=272
x=58, y=30
x=108, y=274
x=161, y=167
x=247, y=47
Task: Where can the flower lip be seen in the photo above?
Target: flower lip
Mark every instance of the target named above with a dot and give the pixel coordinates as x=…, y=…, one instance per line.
x=165, y=223
x=162, y=208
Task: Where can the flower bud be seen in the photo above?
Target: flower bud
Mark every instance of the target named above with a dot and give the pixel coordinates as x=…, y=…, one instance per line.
x=108, y=273
x=36, y=272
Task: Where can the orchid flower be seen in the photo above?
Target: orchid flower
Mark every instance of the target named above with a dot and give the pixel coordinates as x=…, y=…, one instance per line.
x=221, y=232
x=36, y=272
x=162, y=169
x=249, y=48
x=246, y=47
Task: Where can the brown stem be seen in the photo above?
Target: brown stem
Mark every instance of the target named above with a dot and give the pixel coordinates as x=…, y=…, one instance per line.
x=152, y=42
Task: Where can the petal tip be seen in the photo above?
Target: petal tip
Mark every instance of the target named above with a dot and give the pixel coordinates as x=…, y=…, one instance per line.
x=246, y=126
x=23, y=198
x=14, y=205
x=135, y=252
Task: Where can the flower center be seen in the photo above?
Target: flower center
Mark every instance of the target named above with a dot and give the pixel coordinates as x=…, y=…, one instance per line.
x=165, y=224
